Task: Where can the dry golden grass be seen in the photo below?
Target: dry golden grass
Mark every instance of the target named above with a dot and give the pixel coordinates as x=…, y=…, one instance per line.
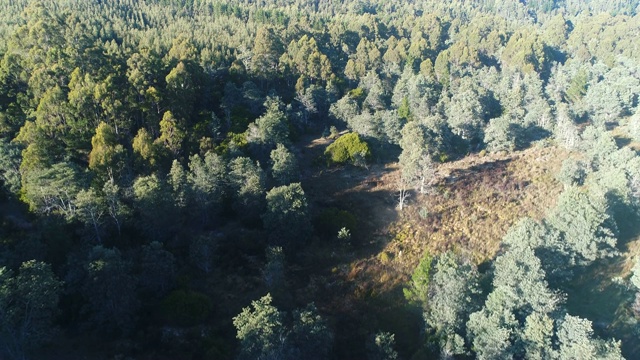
x=474, y=202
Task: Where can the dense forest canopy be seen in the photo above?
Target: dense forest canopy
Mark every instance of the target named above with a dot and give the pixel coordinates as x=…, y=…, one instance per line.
x=253, y=179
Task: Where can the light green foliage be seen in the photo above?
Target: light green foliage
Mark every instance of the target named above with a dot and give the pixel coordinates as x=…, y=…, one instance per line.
x=634, y=125
x=346, y=149
x=287, y=216
x=452, y=292
x=537, y=337
x=520, y=290
x=604, y=102
x=418, y=290
x=415, y=159
x=465, y=113
x=182, y=92
x=566, y=131
x=375, y=93
x=28, y=307
x=107, y=156
x=635, y=274
x=284, y=166
x=271, y=128
x=9, y=167
x=587, y=230
x=415, y=94
x=503, y=134
x=525, y=51
x=86, y=84
x=573, y=172
x=491, y=339
x=577, y=342
x=206, y=180
x=260, y=330
x=52, y=190
x=518, y=274
x=303, y=57
x=345, y=108
x=247, y=182
x=172, y=133
x=599, y=147
x=267, y=48
x=545, y=241
x=344, y=236
x=146, y=150
x=263, y=334
x=177, y=179
x=578, y=86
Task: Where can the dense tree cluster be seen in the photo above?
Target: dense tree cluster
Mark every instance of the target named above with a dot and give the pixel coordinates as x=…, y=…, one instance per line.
x=148, y=147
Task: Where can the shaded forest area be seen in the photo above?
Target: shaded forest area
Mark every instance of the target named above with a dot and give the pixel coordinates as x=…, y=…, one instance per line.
x=290, y=179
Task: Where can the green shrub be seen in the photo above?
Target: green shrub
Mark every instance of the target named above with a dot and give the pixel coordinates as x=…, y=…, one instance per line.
x=186, y=308
x=348, y=148
x=357, y=94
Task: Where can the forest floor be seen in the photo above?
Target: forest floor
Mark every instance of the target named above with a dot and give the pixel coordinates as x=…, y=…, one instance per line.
x=470, y=206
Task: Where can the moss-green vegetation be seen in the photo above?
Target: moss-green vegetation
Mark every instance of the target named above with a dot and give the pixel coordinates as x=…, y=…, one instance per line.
x=348, y=148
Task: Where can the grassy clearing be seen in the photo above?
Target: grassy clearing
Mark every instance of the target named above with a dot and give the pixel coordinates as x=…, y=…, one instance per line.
x=472, y=205
x=474, y=202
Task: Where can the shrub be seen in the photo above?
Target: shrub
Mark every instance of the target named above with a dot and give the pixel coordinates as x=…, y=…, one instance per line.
x=347, y=149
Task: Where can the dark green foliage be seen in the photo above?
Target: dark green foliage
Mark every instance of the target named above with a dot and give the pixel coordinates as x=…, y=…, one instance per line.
x=310, y=334
x=110, y=291
x=273, y=272
x=347, y=148
x=157, y=268
x=331, y=220
x=202, y=252
x=28, y=308
x=156, y=210
x=418, y=290
x=186, y=308
x=155, y=129
x=381, y=347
